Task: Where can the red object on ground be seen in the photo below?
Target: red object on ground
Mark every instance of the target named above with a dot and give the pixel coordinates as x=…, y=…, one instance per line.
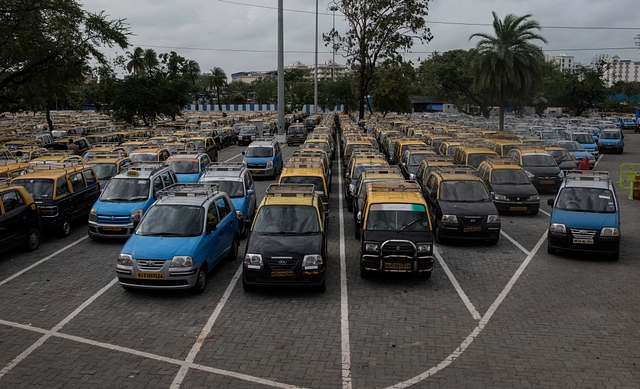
x=584, y=163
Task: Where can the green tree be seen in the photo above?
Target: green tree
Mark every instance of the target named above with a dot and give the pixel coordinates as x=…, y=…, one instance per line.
x=191, y=72
x=340, y=91
x=217, y=81
x=46, y=47
x=391, y=86
x=579, y=90
x=136, y=63
x=379, y=30
x=266, y=90
x=508, y=64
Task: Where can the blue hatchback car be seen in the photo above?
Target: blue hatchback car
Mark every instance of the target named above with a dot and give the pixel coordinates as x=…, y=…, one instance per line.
x=611, y=141
x=189, y=166
x=263, y=157
x=585, y=215
x=188, y=231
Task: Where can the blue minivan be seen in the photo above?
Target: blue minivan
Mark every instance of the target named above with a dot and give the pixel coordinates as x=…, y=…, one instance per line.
x=188, y=166
x=585, y=215
x=611, y=141
x=263, y=157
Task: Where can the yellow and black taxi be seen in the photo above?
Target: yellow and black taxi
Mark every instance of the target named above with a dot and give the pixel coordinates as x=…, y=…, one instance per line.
x=12, y=168
x=149, y=153
x=19, y=221
x=357, y=164
x=563, y=157
x=63, y=192
x=63, y=143
x=403, y=144
x=541, y=168
x=287, y=244
x=472, y=154
x=391, y=173
x=511, y=189
x=27, y=153
x=461, y=206
x=411, y=159
x=57, y=157
x=107, y=165
x=307, y=173
x=131, y=145
x=296, y=134
x=396, y=232
x=104, y=148
x=207, y=145
x=429, y=164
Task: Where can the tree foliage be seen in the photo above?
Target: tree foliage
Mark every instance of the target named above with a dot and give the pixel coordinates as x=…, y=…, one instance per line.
x=579, y=90
x=391, y=86
x=379, y=30
x=507, y=64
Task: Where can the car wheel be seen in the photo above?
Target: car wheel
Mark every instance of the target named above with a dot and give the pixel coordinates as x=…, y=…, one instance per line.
x=33, y=240
x=616, y=255
x=364, y=273
x=65, y=228
x=426, y=275
x=494, y=241
x=534, y=213
x=201, y=280
x=322, y=287
x=247, y=288
x=438, y=237
x=234, y=250
x=128, y=288
x=349, y=206
x=551, y=250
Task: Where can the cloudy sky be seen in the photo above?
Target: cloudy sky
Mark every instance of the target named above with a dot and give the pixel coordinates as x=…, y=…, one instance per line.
x=241, y=35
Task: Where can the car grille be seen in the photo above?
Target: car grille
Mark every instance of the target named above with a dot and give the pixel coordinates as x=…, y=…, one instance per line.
x=472, y=221
x=585, y=234
x=115, y=219
x=256, y=165
x=282, y=263
x=398, y=248
x=150, y=264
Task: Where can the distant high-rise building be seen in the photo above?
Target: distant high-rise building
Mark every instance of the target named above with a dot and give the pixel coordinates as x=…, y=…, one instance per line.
x=564, y=62
x=620, y=70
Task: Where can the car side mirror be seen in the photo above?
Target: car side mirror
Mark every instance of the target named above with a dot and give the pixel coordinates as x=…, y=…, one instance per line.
x=243, y=153
x=211, y=226
x=250, y=192
x=550, y=202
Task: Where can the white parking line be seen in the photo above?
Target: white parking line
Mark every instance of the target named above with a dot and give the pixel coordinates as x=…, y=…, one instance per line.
x=55, y=329
x=26, y=269
x=597, y=161
x=344, y=297
x=232, y=158
x=456, y=285
x=545, y=212
x=481, y=325
x=518, y=245
x=182, y=373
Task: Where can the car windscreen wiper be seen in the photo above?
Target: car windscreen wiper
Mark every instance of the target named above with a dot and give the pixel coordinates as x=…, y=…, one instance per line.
x=410, y=224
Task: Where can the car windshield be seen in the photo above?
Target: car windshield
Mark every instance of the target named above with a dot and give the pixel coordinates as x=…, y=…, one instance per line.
x=415, y=159
x=358, y=169
x=174, y=148
x=104, y=171
x=586, y=200
x=172, y=220
x=391, y=216
x=199, y=143
x=610, y=135
x=144, y=157
x=300, y=219
x=126, y=189
x=560, y=155
x=233, y=188
x=247, y=130
x=538, y=160
x=184, y=166
x=583, y=138
x=317, y=182
x=259, y=152
x=39, y=189
x=476, y=159
x=509, y=177
x=296, y=130
x=464, y=191
x=572, y=146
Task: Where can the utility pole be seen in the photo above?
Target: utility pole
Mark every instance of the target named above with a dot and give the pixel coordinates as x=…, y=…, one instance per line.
x=333, y=7
x=280, y=68
x=315, y=78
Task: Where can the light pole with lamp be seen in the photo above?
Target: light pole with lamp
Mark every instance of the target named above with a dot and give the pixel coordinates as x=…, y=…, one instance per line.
x=333, y=7
x=315, y=76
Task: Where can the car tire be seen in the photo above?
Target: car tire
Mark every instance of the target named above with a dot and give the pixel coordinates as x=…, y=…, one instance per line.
x=349, y=206
x=128, y=288
x=246, y=287
x=439, y=239
x=233, y=253
x=494, y=241
x=65, y=228
x=356, y=232
x=365, y=274
x=551, y=250
x=426, y=275
x=616, y=255
x=32, y=242
x=201, y=280
x=534, y=213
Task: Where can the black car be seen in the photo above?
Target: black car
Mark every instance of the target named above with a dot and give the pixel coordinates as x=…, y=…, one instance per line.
x=19, y=221
x=247, y=135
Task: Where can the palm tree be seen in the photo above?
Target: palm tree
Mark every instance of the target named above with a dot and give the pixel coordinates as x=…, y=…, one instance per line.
x=507, y=64
x=191, y=71
x=218, y=81
x=150, y=59
x=136, y=62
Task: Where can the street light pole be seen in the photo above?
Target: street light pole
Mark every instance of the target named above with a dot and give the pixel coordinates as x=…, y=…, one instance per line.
x=280, y=68
x=333, y=8
x=315, y=77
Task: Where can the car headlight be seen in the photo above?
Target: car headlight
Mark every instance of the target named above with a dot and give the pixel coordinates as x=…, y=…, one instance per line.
x=244, y=163
x=412, y=176
x=181, y=261
x=239, y=214
x=599, y=144
x=424, y=248
x=561, y=174
x=372, y=247
x=609, y=231
x=125, y=260
x=493, y=219
x=352, y=188
x=534, y=198
x=253, y=261
x=558, y=228
x=312, y=261
x=529, y=174
x=136, y=215
x=269, y=164
x=453, y=219
x=500, y=197
x=93, y=215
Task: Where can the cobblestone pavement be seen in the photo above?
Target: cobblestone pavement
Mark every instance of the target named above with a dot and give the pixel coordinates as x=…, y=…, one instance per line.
x=499, y=316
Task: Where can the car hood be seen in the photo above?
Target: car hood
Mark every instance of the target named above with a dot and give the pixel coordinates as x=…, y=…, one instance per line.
x=188, y=178
x=413, y=236
x=124, y=208
x=258, y=160
x=585, y=220
x=465, y=209
x=159, y=248
x=552, y=171
x=238, y=203
x=284, y=245
x=522, y=190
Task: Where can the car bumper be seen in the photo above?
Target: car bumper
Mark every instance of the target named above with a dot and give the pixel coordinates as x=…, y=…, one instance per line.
x=300, y=278
x=111, y=231
x=164, y=278
x=376, y=263
x=546, y=183
x=517, y=206
x=262, y=172
x=607, y=148
x=604, y=245
x=459, y=232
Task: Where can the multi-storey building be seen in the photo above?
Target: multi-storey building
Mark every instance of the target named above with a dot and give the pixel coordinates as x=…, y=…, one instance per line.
x=621, y=70
x=564, y=62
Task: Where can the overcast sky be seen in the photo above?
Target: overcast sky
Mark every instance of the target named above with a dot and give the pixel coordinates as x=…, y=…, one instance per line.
x=241, y=35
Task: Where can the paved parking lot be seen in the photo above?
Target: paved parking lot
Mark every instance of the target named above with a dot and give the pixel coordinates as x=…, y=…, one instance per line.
x=499, y=316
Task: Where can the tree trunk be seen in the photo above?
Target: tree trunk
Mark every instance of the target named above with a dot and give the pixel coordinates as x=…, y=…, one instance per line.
x=501, y=116
x=49, y=121
x=219, y=102
x=361, y=97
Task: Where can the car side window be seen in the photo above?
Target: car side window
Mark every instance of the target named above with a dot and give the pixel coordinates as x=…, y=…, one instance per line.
x=90, y=177
x=204, y=161
x=157, y=184
x=212, y=214
x=166, y=179
x=223, y=207
x=62, y=188
x=77, y=182
x=11, y=200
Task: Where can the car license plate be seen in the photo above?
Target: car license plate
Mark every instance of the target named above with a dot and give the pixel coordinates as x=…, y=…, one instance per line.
x=255, y=171
x=517, y=208
x=112, y=228
x=547, y=182
x=582, y=241
x=150, y=275
x=282, y=273
x=397, y=265
x=472, y=229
